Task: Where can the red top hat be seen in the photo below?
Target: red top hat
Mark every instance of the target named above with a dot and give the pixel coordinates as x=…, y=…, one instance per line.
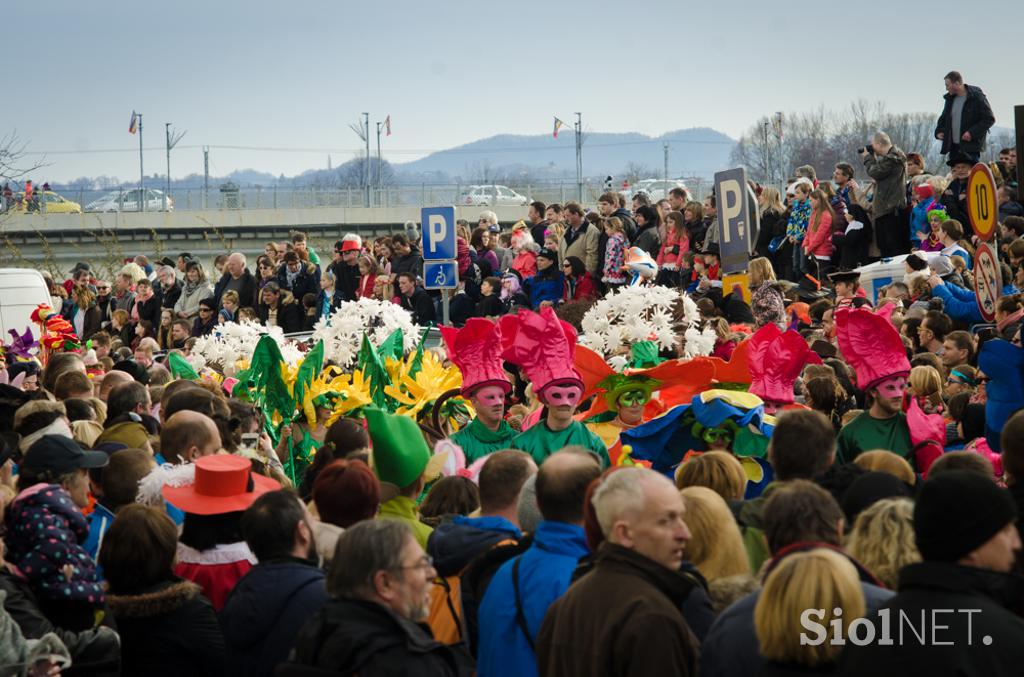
x=476, y=351
x=542, y=345
x=223, y=483
x=776, y=359
x=871, y=345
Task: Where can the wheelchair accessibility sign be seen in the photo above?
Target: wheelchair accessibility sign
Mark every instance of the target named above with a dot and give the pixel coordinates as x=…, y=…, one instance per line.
x=440, y=275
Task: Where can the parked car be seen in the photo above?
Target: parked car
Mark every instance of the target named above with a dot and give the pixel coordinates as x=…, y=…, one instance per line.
x=657, y=189
x=55, y=204
x=490, y=196
x=21, y=292
x=128, y=201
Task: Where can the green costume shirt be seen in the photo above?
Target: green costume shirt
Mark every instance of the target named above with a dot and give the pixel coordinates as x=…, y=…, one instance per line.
x=540, y=441
x=477, y=440
x=403, y=509
x=865, y=433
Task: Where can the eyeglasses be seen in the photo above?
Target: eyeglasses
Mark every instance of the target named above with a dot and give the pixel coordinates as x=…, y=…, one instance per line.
x=951, y=380
x=426, y=562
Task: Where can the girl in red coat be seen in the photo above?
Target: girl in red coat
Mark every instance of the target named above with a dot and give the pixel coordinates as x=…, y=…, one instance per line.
x=818, y=241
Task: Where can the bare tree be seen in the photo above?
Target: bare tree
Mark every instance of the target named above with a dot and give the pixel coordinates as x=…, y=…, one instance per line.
x=13, y=164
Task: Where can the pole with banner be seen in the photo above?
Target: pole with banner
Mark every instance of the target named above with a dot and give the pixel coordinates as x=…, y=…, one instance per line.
x=440, y=269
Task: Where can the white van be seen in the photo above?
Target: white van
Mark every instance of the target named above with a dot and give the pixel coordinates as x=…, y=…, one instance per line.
x=21, y=292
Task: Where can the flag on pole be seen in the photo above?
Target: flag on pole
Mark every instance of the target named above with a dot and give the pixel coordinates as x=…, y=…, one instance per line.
x=558, y=125
x=387, y=125
x=133, y=126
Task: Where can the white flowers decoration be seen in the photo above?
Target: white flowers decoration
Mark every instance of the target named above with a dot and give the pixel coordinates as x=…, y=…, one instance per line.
x=342, y=331
x=643, y=313
x=232, y=343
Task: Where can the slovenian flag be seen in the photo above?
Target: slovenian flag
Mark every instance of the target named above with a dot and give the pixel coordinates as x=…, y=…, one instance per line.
x=133, y=126
x=558, y=125
x=387, y=125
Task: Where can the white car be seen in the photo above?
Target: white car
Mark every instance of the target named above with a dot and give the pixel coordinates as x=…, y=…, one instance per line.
x=128, y=201
x=656, y=189
x=490, y=196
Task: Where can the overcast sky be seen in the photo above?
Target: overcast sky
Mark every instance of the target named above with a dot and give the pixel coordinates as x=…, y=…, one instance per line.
x=294, y=75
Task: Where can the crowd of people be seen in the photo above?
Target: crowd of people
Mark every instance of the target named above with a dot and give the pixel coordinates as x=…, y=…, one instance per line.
x=837, y=467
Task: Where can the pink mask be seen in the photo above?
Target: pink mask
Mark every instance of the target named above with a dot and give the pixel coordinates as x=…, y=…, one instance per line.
x=489, y=396
x=892, y=387
x=561, y=395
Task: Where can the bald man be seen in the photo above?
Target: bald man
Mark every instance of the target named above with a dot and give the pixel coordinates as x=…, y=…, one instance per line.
x=186, y=436
x=237, y=278
x=111, y=380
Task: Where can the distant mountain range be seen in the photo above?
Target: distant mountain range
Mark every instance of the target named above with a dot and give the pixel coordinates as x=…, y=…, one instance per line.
x=691, y=152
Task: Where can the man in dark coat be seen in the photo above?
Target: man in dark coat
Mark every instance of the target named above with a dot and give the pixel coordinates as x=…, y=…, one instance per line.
x=279, y=308
x=236, y=277
x=170, y=288
x=345, y=267
x=373, y=623
x=298, y=276
x=270, y=604
x=406, y=258
x=624, y=617
x=416, y=300
x=961, y=600
x=966, y=118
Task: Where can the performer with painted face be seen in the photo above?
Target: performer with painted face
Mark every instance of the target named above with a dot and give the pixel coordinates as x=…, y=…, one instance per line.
x=872, y=346
x=476, y=351
x=542, y=345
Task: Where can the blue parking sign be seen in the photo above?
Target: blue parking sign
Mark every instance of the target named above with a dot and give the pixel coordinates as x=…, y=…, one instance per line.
x=440, y=275
x=438, y=226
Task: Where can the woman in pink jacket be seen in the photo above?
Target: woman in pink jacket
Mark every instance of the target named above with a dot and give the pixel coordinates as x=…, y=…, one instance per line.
x=818, y=241
x=674, y=247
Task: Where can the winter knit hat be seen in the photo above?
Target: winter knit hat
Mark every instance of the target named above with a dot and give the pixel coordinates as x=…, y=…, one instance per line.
x=916, y=262
x=941, y=266
x=957, y=512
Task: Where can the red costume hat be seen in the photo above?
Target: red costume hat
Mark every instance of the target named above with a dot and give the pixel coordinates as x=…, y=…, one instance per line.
x=871, y=345
x=223, y=483
x=476, y=351
x=776, y=359
x=542, y=345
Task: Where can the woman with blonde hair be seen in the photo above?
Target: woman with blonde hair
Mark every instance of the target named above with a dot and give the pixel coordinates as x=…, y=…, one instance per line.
x=766, y=301
x=879, y=460
x=719, y=471
x=926, y=385
x=815, y=579
x=882, y=538
x=716, y=546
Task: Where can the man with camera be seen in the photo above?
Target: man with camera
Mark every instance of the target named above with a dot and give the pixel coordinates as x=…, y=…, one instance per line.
x=887, y=166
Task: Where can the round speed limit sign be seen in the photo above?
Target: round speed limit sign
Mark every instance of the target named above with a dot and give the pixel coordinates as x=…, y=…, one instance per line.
x=986, y=281
x=982, y=207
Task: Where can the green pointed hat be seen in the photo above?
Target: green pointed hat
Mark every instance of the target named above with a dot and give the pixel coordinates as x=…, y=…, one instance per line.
x=400, y=454
x=616, y=385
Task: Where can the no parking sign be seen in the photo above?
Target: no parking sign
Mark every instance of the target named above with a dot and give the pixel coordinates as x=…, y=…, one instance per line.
x=987, y=284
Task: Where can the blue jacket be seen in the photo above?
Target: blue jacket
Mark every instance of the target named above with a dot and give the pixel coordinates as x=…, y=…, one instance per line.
x=99, y=522
x=544, y=575
x=961, y=304
x=263, y=614
x=1003, y=363
x=919, y=219
x=540, y=288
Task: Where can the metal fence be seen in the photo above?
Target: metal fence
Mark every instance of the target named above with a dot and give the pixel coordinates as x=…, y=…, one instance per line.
x=406, y=195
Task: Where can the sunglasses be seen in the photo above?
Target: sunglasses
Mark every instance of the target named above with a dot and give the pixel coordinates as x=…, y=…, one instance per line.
x=206, y=310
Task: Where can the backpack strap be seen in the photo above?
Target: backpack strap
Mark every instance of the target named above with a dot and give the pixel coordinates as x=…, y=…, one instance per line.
x=520, y=617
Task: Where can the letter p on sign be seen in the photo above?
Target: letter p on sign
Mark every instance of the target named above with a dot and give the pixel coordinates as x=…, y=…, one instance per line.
x=437, y=231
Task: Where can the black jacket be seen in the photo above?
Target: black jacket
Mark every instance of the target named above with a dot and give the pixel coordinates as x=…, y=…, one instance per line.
x=353, y=637
x=410, y=263
x=976, y=118
x=346, y=280
x=93, y=652
x=265, y=612
x=421, y=306
x=490, y=306
x=289, y=313
x=168, y=630
x=648, y=239
x=168, y=297
x=306, y=282
x=246, y=289
x=150, y=309
x=928, y=586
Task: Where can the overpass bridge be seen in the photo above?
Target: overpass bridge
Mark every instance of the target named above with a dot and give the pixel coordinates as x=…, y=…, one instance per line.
x=56, y=241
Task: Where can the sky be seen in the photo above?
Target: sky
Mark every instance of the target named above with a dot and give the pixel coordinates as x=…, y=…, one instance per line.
x=277, y=75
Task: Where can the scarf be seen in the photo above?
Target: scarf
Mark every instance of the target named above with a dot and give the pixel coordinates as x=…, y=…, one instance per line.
x=191, y=287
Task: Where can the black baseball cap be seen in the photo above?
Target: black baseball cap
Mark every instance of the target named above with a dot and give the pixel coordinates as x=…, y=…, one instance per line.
x=61, y=455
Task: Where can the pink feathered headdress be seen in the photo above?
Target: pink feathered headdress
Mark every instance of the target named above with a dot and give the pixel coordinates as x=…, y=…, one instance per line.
x=542, y=345
x=776, y=359
x=476, y=351
x=871, y=345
